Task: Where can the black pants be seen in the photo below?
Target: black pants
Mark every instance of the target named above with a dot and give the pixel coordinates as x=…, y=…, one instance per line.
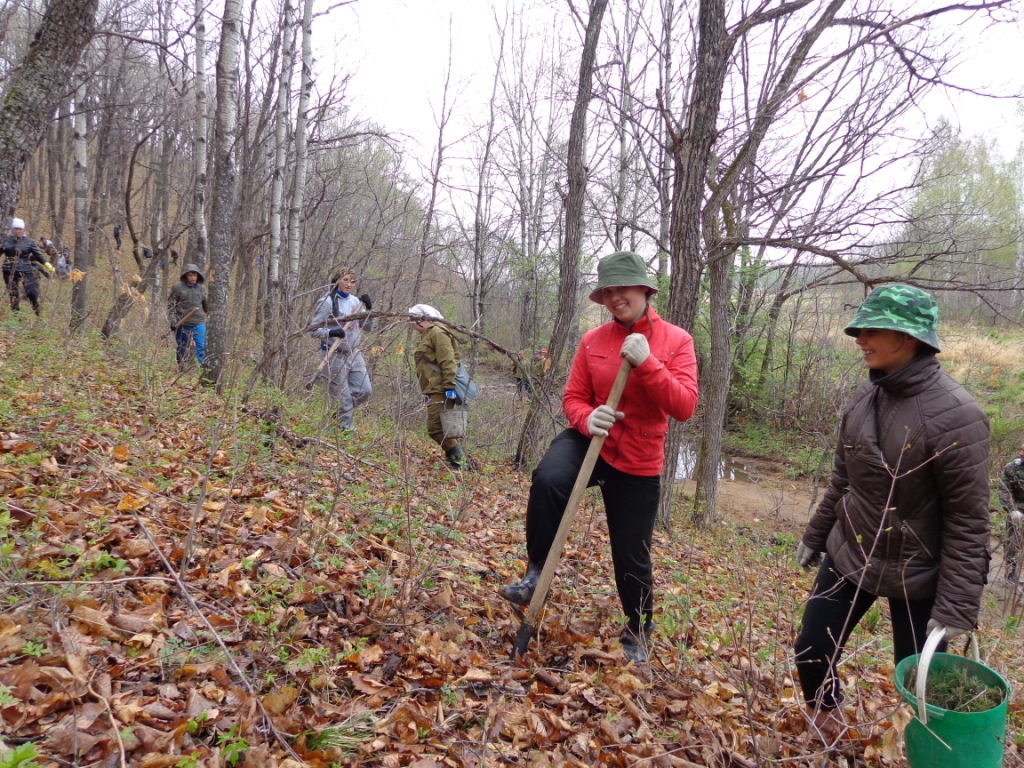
x=13, y=277
x=835, y=607
x=631, y=508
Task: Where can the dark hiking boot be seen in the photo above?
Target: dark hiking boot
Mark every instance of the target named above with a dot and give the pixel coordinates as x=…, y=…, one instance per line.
x=454, y=457
x=522, y=593
x=634, y=644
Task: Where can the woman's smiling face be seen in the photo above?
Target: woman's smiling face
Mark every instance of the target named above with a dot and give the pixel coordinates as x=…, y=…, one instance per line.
x=886, y=350
x=626, y=302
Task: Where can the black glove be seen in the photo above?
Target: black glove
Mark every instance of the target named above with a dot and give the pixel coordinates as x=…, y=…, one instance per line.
x=365, y=298
x=336, y=333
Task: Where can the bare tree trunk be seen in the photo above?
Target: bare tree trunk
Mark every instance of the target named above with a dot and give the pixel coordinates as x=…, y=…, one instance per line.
x=197, y=243
x=691, y=153
x=481, y=230
x=426, y=250
x=568, y=273
x=295, y=223
x=272, y=307
x=36, y=87
x=222, y=213
x=82, y=255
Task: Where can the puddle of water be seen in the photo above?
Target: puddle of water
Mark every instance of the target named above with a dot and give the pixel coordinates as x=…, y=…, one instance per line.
x=728, y=468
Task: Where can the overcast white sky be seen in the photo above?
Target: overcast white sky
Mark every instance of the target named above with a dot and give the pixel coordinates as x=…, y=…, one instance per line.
x=397, y=51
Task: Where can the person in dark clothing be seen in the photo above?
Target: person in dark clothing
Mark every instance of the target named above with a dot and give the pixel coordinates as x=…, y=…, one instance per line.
x=186, y=311
x=1011, y=498
x=906, y=512
x=522, y=379
x=117, y=236
x=21, y=259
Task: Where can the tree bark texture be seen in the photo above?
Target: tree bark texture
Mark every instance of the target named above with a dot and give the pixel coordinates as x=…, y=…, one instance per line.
x=35, y=89
x=222, y=212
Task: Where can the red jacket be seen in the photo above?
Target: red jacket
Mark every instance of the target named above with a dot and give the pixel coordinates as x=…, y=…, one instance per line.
x=665, y=385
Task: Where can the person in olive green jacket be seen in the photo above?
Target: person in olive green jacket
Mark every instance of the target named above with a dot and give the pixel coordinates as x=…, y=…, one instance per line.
x=437, y=361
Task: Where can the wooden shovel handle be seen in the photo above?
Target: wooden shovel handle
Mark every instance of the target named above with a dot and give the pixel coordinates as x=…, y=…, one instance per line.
x=555, y=552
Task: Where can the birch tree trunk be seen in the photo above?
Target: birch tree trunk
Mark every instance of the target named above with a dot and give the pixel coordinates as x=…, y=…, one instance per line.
x=222, y=213
x=82, y=257
x=197, y=243
x=295, y=223
x=272, y=306
x=36, y=87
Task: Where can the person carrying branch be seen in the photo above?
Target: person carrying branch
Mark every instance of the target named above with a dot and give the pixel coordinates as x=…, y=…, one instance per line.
x=348, y=382
x=663, y=383
x=22, y=258
x=1011, y=498
x=906, y=512
x=186, y=312
x=437, y=359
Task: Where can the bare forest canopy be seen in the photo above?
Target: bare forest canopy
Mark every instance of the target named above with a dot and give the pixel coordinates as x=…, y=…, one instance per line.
x=767, y=160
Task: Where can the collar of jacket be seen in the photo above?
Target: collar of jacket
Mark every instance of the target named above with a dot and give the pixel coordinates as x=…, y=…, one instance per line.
x=909, y=380
x=644, y=324
x=342, y=293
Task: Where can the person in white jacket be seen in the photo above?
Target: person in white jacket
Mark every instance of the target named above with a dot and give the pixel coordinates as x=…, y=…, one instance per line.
x=347, y=377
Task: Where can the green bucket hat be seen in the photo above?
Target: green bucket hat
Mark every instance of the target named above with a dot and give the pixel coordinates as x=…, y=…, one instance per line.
x=621, y=268
x=899, y=308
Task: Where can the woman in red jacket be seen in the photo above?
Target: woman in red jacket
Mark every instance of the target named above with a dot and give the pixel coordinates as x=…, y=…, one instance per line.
x=662, y=383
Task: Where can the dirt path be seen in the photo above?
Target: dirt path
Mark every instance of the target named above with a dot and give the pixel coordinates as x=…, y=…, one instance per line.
x=766, y=497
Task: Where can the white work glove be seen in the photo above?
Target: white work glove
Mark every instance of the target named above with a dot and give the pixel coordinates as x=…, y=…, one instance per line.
x=806, y=556
x=951, y=632
x=1016, y=518
x=601, y=420
x=635, y=349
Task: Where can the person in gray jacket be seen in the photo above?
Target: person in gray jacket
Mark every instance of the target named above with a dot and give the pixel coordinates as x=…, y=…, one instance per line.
x=186, y=311
x=906, y=513
x=348, y=380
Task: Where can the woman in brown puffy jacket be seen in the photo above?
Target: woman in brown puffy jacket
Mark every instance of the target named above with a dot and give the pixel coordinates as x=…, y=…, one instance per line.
x=906, y=513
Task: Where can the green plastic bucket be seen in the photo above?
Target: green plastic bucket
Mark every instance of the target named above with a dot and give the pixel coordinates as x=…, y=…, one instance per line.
x=942, y=738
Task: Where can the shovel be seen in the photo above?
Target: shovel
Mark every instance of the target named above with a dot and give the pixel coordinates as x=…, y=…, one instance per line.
x=319, y=368
x=540, y=594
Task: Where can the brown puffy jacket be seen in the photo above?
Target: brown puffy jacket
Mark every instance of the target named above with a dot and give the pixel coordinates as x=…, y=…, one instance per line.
x=925, y=533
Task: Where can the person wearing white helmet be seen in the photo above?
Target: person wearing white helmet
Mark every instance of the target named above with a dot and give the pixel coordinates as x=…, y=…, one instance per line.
x=21, y=259
x=437, y=363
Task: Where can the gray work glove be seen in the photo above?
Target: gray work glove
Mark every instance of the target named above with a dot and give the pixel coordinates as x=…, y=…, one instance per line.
x=635, y=349
x=1016, y=517
x=601, y=420
x=951, y=632
x=807, y=557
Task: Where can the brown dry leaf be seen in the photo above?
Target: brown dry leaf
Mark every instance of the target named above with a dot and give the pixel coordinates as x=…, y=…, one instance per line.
x=160, y=761
x=280, y=700
x=94, y=622
x=64, y=740
x=132, y=503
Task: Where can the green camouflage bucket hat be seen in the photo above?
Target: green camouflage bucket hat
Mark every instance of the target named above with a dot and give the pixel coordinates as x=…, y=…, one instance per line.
x=899, y=308
x=621, y=268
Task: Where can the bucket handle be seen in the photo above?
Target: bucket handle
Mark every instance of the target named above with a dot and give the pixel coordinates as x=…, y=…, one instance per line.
x=926, y=659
